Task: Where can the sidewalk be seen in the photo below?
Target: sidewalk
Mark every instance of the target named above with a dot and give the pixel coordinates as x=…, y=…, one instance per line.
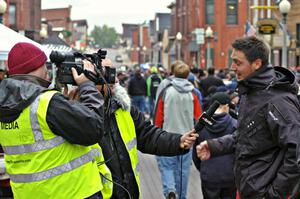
x=151, y=184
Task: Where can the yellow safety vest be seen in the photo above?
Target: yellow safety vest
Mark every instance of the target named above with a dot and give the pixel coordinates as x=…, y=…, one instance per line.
x=43, y=165
x=127, y=131
x=105, y=173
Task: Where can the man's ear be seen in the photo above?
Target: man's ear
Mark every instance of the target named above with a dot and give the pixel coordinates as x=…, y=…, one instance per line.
x=257, y=64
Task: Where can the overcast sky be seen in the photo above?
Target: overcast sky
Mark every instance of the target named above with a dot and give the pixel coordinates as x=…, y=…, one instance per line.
x=111, y=12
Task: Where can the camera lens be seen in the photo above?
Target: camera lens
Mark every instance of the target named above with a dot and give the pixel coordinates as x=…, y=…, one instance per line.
x=57, y=57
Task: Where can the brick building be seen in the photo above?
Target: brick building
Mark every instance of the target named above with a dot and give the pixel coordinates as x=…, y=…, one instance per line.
x=276, y=40
x=80, y=34
x=141, y=45
x=60, y=20
x=227, y=20
x=24, y=17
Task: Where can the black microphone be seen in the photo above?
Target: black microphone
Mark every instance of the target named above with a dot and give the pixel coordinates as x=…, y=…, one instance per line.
x=206, y=116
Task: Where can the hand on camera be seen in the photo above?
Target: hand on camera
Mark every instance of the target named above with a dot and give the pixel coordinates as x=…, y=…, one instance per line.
x=80, y=79
x=72, y=94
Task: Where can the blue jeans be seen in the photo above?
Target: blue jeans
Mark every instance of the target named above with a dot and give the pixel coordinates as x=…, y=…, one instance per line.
x=175, y=173
x=139, y=101
x=151, y=105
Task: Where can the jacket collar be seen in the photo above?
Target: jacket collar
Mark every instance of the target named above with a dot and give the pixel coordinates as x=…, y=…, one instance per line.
x=258, y=80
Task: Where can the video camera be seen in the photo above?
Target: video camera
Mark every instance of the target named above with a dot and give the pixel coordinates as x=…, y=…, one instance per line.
x=65, y=62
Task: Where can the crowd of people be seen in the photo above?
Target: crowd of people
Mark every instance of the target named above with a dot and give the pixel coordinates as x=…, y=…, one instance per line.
x=83, y=143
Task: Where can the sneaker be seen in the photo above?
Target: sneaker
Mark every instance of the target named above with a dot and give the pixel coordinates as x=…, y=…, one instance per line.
x=171, y=195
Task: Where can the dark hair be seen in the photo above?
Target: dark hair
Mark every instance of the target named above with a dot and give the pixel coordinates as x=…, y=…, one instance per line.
x=211, y=71
x=253, y=48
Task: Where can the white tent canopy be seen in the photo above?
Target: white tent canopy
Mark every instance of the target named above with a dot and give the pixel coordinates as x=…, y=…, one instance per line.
x=9, y=37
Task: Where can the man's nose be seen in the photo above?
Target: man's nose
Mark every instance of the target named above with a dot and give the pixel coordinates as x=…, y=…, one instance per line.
x=233, y=67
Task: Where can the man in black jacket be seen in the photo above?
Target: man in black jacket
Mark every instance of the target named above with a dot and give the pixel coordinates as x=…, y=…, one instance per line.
x=127, y=131
x=137, y=89
x=268, y=125
x=210, y=80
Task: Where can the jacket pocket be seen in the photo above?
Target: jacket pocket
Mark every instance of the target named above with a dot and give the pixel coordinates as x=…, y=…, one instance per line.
x=257, y=137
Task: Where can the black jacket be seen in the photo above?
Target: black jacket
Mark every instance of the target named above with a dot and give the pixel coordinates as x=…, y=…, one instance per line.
x=216, y=172
x=78, y=123
x=298, y=151
x=209, y=81
x=137, y=86
x=266, y=136
x=150, y=139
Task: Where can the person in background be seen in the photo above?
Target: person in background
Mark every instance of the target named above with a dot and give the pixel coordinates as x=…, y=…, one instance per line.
x=166, y=82
x=2, y=74
x=178, y=107
x=153, y=82
x=46, y=137
x=210, y=80
x=193, y=79
x=267, y=128
x=217, y=178
x=122, y=77
x=137, y=89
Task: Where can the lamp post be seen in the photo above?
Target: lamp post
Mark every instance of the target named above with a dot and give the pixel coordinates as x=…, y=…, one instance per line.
x=209, y=35
x=284, y=7
x=144, y=53
x=179, y=38
x=138, y=49
x=43, y=33
x=159, y=51
x=3, y=6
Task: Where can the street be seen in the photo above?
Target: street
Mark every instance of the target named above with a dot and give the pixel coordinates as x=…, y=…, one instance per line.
x=151, y=184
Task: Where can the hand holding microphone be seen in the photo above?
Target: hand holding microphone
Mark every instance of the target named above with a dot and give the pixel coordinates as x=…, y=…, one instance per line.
x=206, y=117
x=202, y=149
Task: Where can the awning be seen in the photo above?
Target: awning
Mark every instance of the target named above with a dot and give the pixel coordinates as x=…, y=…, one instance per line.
x=60, y=48
x=9, y=37
x=55, y=43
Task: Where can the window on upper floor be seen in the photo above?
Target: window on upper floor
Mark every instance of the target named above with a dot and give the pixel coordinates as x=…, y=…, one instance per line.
x=12, y=15
x=232, y=12
x=209, y=12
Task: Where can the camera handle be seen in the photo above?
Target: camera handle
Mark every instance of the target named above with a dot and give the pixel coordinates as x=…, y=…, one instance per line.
x=91, y=76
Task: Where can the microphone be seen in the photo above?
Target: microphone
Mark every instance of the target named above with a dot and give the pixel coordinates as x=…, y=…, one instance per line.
x=206, y=116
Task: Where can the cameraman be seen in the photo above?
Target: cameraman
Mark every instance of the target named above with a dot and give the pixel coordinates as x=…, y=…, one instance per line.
x=46, y=146
x=127, y=131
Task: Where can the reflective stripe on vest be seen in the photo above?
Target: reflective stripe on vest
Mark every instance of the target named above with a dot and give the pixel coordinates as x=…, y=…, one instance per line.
x=73, y=164
x=40, y=143
x=36, y=129
x=131, y=144
x=104, y=179
x=35, y=147
x=127, y=130
x=105, y=174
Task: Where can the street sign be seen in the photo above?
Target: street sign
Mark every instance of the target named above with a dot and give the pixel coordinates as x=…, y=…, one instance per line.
x=267, y=26
x=264, y=7
x=199, y=35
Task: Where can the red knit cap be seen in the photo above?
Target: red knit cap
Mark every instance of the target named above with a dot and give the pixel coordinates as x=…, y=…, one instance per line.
x=24, y=58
